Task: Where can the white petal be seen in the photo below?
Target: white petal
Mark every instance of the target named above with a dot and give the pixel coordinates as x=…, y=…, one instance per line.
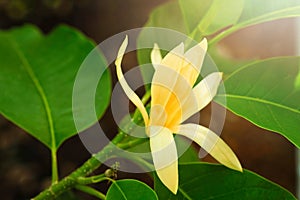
x=174, y=58
x=206, y=90
x=168, y=96
x=196, y=54
x=178, y=50
x=156, y=56
x=187, y=65
x=164, y=154
x=211, y=143
x=128, y=91
x=203, y=93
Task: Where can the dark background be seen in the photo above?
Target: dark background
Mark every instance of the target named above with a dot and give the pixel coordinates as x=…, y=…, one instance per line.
x=25, y=163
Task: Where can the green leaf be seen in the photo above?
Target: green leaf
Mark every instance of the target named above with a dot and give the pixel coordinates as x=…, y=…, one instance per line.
x=265, y=93
x=256, y=11
x=159, y=17
x=207, y=181
x=186, y=149
x=190, y=16
x=168, y=16
x=129, y=189
x=200, y=18
x=37, y=78
x=208, y=16
x=284, y=123
x=225, y=64
x=297, y=81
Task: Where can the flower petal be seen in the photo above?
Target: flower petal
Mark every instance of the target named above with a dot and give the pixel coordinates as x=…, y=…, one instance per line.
x=128, y=91
x=211, y=143
x=168, y=95
x=174, y=58
x=156, y=56
x=203, y=93
x=206, y=90
x=164, y=154
x=195, y=55
x=189, y=64
x=192, y=62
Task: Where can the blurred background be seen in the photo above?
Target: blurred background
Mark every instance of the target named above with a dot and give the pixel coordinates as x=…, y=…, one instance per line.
x=25, y=162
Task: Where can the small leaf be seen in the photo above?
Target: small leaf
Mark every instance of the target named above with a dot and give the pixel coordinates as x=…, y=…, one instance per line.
x=215, y=182
x=264, y=93
x=37, y=78
x=129, y=189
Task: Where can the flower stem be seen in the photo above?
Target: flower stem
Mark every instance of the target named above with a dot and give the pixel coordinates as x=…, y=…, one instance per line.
x=146, y=96
x=132, y=143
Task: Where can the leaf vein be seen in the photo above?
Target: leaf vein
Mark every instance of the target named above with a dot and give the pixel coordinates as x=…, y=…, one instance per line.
x=39, y=89
x=234, y=96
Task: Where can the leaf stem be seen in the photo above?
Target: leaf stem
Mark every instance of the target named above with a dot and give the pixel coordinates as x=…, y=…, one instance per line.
x=91, y=191
x=91, y=164
x=88, y=167
x=54, y=166
x=44, y=99
x=223, y=34
x=93, y=179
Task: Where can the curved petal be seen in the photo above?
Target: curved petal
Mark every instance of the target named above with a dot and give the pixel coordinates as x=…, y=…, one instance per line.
x=211, y=143
x=195, y=55
x=192, y=63
x=203, y=93
x=156, y=56
x=206, y=90
x=128, y=91
x=164, y=154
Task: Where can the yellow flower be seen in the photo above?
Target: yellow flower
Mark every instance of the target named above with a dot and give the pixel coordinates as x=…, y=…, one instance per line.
x=173, y=100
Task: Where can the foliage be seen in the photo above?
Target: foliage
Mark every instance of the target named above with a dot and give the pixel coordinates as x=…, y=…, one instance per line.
x=38, y=73
x=220, y=183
